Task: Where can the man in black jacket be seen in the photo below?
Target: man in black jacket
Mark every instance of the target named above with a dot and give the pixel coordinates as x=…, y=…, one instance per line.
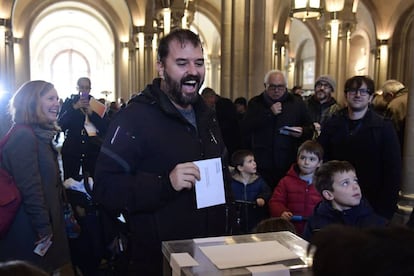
x=369, y=142
x=268, y=115
x=146, y=163
x=84, y=130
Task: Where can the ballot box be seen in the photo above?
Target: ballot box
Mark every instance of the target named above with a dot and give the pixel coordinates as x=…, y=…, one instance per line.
x=275, y=253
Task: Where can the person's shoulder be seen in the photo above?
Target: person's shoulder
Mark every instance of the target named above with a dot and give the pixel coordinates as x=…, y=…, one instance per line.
x=22, y=130
x=311, y=101
x=256, y=99
x=20, y=135
x=338, y=117
x=378, y=120
x=368, y=214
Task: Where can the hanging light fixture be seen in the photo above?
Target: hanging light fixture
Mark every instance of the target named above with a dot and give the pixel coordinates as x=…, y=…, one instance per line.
x=306, y=9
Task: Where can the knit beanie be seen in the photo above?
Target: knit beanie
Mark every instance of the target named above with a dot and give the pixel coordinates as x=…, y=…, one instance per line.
x=328, y=79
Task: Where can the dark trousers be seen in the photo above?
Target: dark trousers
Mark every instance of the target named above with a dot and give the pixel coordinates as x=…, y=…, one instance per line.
x=72, y=161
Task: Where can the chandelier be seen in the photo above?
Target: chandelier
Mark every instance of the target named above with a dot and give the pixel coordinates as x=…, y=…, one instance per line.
x=306, y=9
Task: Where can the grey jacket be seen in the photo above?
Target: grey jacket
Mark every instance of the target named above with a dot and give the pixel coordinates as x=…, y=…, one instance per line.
x=32, y=160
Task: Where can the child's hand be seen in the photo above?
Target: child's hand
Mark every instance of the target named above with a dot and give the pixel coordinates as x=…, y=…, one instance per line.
x=260, y=202
x=286, y=215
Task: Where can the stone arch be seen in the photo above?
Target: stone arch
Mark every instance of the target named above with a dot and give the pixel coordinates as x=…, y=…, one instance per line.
x=401, y=49
x=358, y=63
x=302, y=45
x=114, y=19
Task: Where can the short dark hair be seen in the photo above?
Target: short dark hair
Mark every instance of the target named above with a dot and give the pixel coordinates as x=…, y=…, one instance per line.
x=274, y=224
x=356, y=82
x=208, y=91
x=182, y=36
x=237, y=158
x=83, y=79
x=312, y=147
x=323, y=177
x=296, y=87
x=241, y=101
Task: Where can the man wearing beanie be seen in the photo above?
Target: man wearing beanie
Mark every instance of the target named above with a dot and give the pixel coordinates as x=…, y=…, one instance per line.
x=321, y=104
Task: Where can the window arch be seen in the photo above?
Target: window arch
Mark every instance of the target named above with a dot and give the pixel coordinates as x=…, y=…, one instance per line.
x=65, y=68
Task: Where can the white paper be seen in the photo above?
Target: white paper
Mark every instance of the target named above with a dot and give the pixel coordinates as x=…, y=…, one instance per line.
x=246, y=254
x=210, y=189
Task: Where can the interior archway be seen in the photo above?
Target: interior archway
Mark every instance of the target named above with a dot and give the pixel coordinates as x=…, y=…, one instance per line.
x=75, y=29
x=302, y=45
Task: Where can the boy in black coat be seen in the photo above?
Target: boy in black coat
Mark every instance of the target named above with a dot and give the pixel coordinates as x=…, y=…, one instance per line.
x=342, y=200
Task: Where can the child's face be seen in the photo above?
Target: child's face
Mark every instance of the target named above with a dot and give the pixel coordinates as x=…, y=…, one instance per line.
x=308, y=162
x=346, y=191
x=249, y=165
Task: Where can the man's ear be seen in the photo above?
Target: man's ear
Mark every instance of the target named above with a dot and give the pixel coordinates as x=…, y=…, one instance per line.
x=160, y=69
x=327, y=195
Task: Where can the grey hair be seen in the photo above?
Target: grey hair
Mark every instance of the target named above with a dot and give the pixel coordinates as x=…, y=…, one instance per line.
x=274, y=71
x=393, y=87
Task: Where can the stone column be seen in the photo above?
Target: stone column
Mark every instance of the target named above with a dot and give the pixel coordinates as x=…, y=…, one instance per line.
x=149, y=58
x=226, y=45
x=214, y=70
x=280, y=45
x=235, y=49
x=406, y=203
x=337, y=28
x=383, y=57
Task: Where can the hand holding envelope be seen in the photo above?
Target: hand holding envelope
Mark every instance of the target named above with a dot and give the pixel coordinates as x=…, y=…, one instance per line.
x=207, y=178
x=184, y=176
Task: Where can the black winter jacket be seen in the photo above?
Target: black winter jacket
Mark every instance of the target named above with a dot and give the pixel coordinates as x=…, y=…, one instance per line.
x=145, y=141
x=360, y=216
x=274, y=150
x=374, y=150
x=321, y=112
x=72, y=121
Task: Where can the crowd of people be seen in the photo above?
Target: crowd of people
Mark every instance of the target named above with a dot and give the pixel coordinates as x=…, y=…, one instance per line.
x=309, y=163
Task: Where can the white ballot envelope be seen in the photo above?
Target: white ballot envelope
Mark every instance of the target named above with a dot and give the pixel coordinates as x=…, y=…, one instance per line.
x=210, y=189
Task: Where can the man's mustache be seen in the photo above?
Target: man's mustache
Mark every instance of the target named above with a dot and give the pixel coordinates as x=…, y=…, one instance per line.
x=191, y=78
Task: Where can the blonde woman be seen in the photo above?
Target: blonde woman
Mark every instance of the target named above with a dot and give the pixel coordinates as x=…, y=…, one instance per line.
x=30, y=157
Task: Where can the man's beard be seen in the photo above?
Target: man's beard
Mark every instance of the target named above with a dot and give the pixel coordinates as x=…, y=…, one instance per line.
x=174, y=90
x=322, y=96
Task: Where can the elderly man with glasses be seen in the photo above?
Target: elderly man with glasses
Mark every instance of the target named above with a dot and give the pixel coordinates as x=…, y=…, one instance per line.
x=369, y=142
x=276, y=123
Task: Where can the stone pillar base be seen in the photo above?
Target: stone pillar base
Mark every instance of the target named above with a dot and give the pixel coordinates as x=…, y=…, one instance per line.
x=405, y=207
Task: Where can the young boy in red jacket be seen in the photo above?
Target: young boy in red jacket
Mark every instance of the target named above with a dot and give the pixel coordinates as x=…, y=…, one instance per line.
x=295, y=197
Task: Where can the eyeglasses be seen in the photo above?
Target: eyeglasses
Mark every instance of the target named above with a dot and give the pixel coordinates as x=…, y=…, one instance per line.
x=324, y=84
x=274, y=87
x=363, y=92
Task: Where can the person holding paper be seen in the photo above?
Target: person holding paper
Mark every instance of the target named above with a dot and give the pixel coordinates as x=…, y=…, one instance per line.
x=146, y=167
x=268, y=124
x=37, y=234
x=82, y=119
